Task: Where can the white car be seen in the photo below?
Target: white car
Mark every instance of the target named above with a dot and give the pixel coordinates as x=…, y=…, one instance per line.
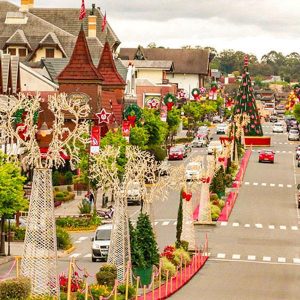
x=298, y=152
x=278, y=127
x=134, y=193
x=101, y=242
x=200, y=141
x=214, y=146
x=193, y=171
x=293, y=135
x=221, y=128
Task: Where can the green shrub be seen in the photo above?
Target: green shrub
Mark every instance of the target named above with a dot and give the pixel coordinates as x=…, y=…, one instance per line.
x=85, y=207
x=183, y=140
x=182, y=244
x=69, y=188
x=122, y=290
x=178, y=253
x=68, y=177
x=109, y=268
x=106, y=278
x=63, y=239
x=59, y=195
x=166, y=266
x=20, y=233
x=221, y=203
x=56, y=189
x=215, y=212
x=99, y=290
x=15, y=289
x=214, y=197
x=158, y=152
x=78, y=223
x=228, y=180
x=55, y=178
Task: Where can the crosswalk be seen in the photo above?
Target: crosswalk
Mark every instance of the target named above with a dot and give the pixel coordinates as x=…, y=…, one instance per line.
x=277, y=151
x=265, y=184
x=255, y=258
x=260, y=226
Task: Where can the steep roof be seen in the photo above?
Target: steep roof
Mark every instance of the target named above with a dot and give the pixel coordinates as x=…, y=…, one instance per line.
x=150, y=64
x=186, y=61
x=80, y=66
x=18, y=38
x=107, y=68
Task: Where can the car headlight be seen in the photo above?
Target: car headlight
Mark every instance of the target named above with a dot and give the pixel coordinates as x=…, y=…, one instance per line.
x=96, y=246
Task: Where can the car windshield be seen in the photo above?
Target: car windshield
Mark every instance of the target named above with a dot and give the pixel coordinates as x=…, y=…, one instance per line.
x=193, y=167
x=103, y=235
x=294, y=131
x=278, y=124
x=268, y=152
x=174, y=150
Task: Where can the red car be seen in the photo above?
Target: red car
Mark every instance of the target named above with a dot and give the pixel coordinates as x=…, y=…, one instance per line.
x=266, y=156
x=176, y=153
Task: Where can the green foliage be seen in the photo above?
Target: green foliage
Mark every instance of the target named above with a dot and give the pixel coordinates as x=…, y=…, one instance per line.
x=167, y=266
x=217, y=185
x=85, y=207
x=137, y=258
x=173, y=119
x=181, y=255
x=214, y=197
x=297, y=112
x=19, y=233
x=122, y=290
x=183, y=140
x=228, y=180
x=63, y=239
x=133, y=110
x=106, y=277
x=99, y=290
x=70, y=223
x=63, y=196
x=179, y=221
x=158, y=152
x=145, y=243
x=183, y=244
x=55, y=177
x=215, y=212
x=221, y=203
x=15, y=289
x=139, y=136
x=68, y=177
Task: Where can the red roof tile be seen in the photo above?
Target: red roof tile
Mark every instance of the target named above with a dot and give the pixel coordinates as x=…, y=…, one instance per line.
x=107, y=68
x=80, y=66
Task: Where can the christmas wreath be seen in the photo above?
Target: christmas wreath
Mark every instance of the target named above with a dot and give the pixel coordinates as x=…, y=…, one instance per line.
x=21, y=113
x=169, y=98
x=196, y=93
x=133, y=110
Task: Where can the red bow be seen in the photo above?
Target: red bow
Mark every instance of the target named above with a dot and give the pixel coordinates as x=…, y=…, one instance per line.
x=205, y=179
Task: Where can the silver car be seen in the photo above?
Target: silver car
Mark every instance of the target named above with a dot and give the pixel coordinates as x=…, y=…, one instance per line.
x=293, y=135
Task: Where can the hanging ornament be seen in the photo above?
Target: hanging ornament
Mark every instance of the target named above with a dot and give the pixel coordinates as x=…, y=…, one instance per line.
x=133, y=114
x=196, y=93
x=103, y=116
x=170, y=100
x=188, y=197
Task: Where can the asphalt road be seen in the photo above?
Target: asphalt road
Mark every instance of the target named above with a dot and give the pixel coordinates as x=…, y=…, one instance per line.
x=256, y=255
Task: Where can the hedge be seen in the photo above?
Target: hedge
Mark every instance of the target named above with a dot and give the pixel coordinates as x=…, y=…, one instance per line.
x=15, y=289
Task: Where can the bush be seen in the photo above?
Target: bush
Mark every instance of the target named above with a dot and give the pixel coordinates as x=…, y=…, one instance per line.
x=182, y=244
x=214, y=197
x=78, y=223
x=228, y=180
x=63, y=239
x=166, y=266
x=19, y=234
x=99, y=290
x=178, y=253
x=106, y=278
x=158, y=152
x=122, y=290
x=221, y=203
x=215, y=212
x=15, y=289
x=183, y=140
x=68, y=177
x=55, y=178
x=109, y=268
x=85, y=207
x=69, y=188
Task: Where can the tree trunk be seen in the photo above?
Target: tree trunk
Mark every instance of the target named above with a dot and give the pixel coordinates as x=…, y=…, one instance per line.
x=2, y=237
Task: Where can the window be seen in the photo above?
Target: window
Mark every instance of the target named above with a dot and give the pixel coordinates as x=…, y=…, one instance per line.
x=12, y=51
x=22, y=52
x=49, y=53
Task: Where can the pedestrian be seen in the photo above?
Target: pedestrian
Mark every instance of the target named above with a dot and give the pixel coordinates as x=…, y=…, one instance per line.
x=91, y=197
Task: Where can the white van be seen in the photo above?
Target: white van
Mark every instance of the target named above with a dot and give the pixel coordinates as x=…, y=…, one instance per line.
x=101, y=242
x=193, y=171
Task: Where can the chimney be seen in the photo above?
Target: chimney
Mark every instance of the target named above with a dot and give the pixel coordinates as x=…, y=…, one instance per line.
x=92, y=23
x=25, y=5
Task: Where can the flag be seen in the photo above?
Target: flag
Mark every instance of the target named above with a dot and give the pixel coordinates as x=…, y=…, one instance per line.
x=95, y=140
x=103, y=23
x=82, y=11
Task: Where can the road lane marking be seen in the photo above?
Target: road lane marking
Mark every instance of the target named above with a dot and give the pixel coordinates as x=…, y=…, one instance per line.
x=155, y=223
x=236, y=256
x=272, y=184
x=289, y=185
x=88, y=255
x=271, y=227
x=255, y=183
x=83, y=238
x=251, y=257
x=75, y=255
x=296, y=260
x=294, y=227
x=247, y=225
x=266, y=258
x=282, y=227
x=258, y=226
x=281, y=259
x=175, y=223
x=235, y=224
x=165, y=223
x=77, y=242
x=224, y=223
x=280, y=185
x=247, y=183
x=221, y=255
x=264, y=184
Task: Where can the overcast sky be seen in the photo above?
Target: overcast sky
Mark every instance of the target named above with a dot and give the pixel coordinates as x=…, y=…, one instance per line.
x=253, y=26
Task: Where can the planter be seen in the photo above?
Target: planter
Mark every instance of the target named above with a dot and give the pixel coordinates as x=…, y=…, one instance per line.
x=144, y=274
x=258, y=141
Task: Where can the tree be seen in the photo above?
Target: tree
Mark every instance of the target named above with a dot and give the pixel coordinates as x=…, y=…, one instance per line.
x=245, y=103
x=11, y=193
x=173, y=121
x=179, y=221
x=297, y=112
x=139, y=136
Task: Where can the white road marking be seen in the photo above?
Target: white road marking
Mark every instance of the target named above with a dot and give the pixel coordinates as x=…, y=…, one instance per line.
x=165, y=223
x=155, y=223
x=283, y=151
x=247, y=183
x=88, y=255
x=266, y=258
x=251, y=257
x=282, y=227
x=255, y=183
x=221, y=255
x=175, y=223
x=258, y=226
x=280, y=185
x=75, y=255
x=294, y=227
x=247, y=225
x=277, y=151
x=83, y=238
x=290, y=152
x=188, y=222
x=224, y=223
x=235, y=224
x=236, y=256
x=264, y=184
x=289, y=185
x=281, y=259
x=77, y=242
x=272, y=184
x=271, y=227
x=296, y=260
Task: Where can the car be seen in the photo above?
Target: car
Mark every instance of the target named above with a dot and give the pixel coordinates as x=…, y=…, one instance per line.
x=217, y=119
x=278, y=127
x=298, y=164
x=177, y=152
x=200, y=141
x=266, y=156
x=273, y=119
x=134, y=193
x=193, y=171
x=101, y=242
x=298, y=152
x=214, y=146
x=221, y=128
x=203, y=130
x=293, y=135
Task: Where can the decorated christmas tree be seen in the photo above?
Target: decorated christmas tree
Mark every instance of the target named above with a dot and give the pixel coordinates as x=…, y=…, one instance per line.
x=245, y=103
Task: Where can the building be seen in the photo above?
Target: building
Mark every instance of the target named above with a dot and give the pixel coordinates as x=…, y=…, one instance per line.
x=191, y=66
x=57, y=31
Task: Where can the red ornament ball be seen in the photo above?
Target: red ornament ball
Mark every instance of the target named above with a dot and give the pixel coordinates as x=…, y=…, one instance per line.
x=244, y=96
x=252, y=116
x=252, y=126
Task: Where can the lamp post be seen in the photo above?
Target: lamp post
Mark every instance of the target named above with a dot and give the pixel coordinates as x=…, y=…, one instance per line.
x=39, y=259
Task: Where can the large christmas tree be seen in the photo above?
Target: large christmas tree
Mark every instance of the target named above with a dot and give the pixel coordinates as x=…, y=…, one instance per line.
x=245, y=103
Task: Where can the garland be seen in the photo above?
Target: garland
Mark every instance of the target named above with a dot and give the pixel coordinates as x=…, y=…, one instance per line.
x=20, y=113
x=170, y=98
x=133, y=110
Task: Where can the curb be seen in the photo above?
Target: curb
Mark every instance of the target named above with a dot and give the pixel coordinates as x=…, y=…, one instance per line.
x=6, y=259
x=213, y=223
x=66, y=252
x=81, y=231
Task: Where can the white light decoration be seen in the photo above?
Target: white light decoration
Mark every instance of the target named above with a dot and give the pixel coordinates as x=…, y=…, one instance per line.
x=39, y=259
